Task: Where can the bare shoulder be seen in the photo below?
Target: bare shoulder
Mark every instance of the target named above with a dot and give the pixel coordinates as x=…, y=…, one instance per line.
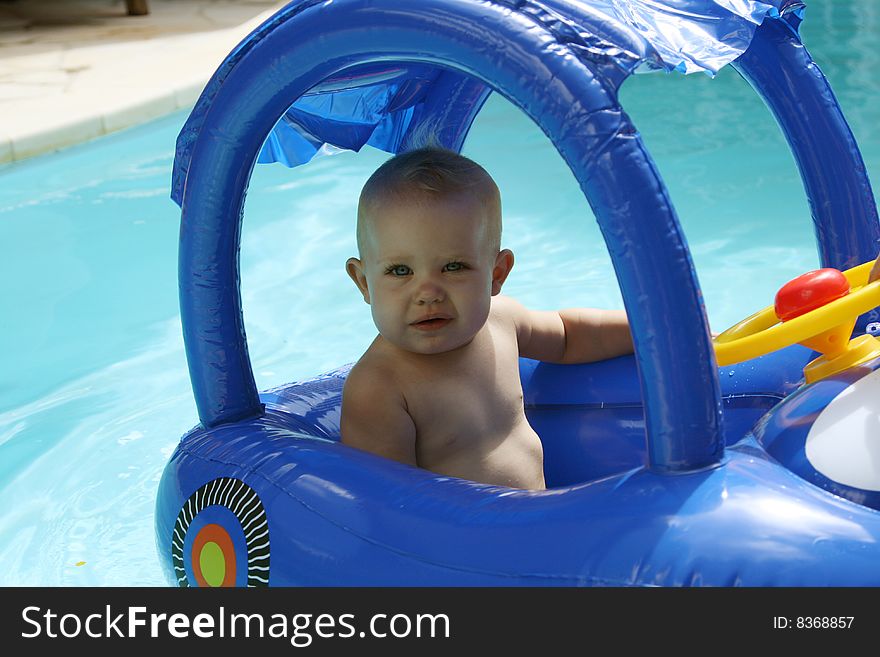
x=372, y=380
x=506, y=310
x=540, y=334
x=511, y=316
x=374, y=415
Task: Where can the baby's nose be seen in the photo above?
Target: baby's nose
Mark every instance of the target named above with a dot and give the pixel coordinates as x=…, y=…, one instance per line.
x=429, y=292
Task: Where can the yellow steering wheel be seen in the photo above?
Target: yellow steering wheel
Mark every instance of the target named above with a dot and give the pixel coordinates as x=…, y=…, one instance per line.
x=763, y=332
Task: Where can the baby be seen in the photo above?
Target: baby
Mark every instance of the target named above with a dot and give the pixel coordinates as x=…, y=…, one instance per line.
x=439, y=387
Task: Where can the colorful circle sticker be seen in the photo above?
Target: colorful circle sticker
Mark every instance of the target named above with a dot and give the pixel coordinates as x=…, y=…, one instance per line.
x=221, y=537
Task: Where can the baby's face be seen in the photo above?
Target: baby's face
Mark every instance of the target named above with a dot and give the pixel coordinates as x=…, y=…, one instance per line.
x=428, y=271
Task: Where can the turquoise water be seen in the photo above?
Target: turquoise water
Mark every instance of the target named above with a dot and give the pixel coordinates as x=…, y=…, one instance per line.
x=94, y=391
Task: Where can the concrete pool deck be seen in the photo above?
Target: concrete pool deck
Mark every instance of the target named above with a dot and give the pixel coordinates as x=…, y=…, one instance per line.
x=74, y=70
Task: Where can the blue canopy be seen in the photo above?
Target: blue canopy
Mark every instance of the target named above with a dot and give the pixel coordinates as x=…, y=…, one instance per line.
x=376, y=105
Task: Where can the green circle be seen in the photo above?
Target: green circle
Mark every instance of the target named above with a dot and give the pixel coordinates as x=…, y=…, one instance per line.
x=212, y=564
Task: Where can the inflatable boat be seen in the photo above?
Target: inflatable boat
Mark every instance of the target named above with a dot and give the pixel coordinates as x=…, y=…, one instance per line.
x=671, y=467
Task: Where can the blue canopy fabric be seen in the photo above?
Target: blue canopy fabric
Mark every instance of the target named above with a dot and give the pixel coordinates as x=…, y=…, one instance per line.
x=685, y=36
x=375, y=106
x=374, y=109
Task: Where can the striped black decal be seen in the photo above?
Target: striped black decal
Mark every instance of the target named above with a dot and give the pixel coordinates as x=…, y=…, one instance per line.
x=245, y=505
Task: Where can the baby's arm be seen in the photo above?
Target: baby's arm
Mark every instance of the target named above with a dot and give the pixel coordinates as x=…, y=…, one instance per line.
x=374, y=417
x=576, y=335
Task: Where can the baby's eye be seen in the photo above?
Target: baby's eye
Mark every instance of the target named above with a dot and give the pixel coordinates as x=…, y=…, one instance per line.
x=454, y=266
x=398, y=270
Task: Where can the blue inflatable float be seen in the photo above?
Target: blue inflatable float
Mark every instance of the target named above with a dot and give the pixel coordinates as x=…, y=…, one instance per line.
x=662, y=468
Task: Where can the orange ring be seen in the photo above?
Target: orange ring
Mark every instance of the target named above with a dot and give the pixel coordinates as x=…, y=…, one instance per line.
x=216, y=534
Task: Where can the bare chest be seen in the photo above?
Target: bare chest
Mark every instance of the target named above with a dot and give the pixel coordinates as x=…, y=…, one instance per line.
x=474, y=396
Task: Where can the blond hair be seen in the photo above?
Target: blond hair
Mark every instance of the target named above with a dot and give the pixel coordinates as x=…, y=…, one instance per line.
x=434, y=173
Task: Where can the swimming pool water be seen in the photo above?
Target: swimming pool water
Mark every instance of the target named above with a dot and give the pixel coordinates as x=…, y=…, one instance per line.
x=94, y=390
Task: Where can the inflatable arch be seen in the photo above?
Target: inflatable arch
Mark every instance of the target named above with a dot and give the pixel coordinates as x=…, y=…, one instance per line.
x=691, y=495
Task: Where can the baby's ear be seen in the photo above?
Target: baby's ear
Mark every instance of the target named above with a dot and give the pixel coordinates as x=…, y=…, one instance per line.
x=503, y=265
x=355, y=269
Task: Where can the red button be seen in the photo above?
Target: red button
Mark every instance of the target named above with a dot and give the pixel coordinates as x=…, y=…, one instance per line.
x=809, y=291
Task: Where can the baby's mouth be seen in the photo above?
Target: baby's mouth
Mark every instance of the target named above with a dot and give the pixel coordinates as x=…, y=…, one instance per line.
x=431, y=323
